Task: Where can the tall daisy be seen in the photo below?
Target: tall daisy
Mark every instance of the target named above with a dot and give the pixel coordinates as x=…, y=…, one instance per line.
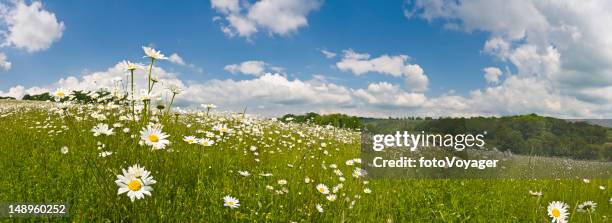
x=60, y=94
x=557, y=210
x=153, y=136
x=136, y=182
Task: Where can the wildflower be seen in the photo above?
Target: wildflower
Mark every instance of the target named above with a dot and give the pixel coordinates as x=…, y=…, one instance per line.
x=602, y=187
x=153, y=54
x=244, y=173
x=319, y=208
x=190, y=139
x=129, y=66
x=358, y=172
x=322, y=188
x=105, y=154
x=307, y=180
x=208, y=106
x=206, y=142
x=367, y=190
x=153, y=136
x=102, y=129
x=282, y=182
x=557, y=210
x=331, y=197
x=59, y=94
x=231, y=202
x=64, y=150
x=136, y=182
x=175, y=89
x=586, y=181
x=587, y=206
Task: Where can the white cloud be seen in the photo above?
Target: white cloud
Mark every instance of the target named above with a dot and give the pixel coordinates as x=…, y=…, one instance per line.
x=30, y=27
x=492, y=74
x=388, y=95
x=328, y=54
x=4, y=63
x=560, y=47
x=252, y=67
x=274, y=94
x=19, y=91
x=175, y=58
x=397, y=66
x=280, y=17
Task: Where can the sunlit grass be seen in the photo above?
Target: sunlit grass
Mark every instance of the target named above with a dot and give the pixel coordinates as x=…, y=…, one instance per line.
x=192, y=179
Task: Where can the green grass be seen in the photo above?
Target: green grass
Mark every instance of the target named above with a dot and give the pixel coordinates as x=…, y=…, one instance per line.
x=192, y=179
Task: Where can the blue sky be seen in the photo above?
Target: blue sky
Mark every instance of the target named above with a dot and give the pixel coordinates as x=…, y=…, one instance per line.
x=100, y=33
x=444, y=40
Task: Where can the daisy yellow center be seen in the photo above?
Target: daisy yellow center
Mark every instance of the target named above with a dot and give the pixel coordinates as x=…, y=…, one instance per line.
x=190, y=141
x=134, y=185
x=321, y=190
x=230, y=203
x=556, y=213
x=60, y=94
x=153, y=138
x=205, y=143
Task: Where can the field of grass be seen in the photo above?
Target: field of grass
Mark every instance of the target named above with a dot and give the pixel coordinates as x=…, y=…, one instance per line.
x=285, y=163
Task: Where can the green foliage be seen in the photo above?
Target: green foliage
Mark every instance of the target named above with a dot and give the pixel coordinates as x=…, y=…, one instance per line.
x=522, y=134
x=336, y=120
x=532, y=135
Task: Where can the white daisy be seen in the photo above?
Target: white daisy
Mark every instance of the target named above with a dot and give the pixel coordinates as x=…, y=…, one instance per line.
x=190, y=139
x=105, y=154
x=153, y=136
x=557, y=210
x=64, y=150
x=319, y=208
x=367, y=190
x=587, y=206
x=153, y=54
x=244, y=173
x=206, y=142
x=102, y=129
x=136, y=182
x=129, y=66
x=60, y=93
x=331, y=197
x=230, y=202
x=175, y=89
x=322, y=188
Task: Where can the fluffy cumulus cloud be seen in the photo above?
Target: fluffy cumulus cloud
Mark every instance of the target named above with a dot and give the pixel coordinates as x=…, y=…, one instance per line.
x=397, y=66
x=30, y=27
x=492, y=74
x=281, y=17
x=4, y=63
x=560, y=50
x=389, y=95
x=252, y=67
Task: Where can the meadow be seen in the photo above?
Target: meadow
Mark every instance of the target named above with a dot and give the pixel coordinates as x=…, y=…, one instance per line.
x=273, y=171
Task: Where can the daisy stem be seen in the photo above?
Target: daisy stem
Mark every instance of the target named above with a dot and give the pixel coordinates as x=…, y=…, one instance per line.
x=132, y=82
x=150, y=71
x=171, y=101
